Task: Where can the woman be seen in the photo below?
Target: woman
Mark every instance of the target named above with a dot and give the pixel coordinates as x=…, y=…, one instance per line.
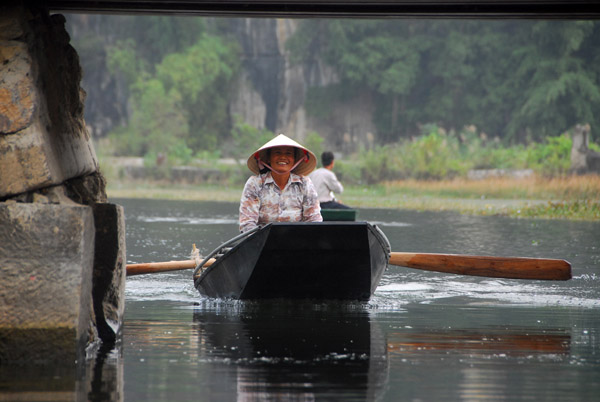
x=279, y=192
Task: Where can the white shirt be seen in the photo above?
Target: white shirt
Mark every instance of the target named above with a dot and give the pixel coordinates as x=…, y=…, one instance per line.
x=326, y=183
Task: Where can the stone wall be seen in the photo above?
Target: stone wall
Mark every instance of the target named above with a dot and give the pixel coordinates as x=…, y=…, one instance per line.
x=43, y=139
x=58, y=298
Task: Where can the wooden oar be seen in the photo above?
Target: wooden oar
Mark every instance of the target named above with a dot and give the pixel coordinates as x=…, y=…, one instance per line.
x=494, y=267
x=156, y=267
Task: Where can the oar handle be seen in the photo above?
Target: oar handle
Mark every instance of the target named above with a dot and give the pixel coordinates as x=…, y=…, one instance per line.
x=495, y=267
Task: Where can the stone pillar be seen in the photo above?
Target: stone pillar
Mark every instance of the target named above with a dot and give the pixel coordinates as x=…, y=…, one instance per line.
x=109, y=270
x=46, y=257
x=62, y=248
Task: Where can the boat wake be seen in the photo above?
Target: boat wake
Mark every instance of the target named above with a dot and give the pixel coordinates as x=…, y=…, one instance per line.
x=165, y=287
x=398, y=289
x=189, y=220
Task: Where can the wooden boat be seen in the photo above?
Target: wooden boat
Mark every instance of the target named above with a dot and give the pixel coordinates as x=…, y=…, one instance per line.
x=328, y=260
x=339, y=214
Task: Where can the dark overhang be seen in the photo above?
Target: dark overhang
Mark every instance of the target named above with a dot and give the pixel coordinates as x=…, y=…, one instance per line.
x=562, y=9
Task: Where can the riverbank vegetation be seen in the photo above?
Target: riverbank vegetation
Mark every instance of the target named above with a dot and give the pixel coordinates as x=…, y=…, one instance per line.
x=576, y=198
x=436, y=154
x=430, y=172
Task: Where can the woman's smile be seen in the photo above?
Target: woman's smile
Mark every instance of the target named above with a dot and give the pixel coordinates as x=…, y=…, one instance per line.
x=282, y=159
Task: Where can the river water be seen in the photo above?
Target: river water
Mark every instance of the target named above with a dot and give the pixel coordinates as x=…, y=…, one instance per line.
x=424, y=336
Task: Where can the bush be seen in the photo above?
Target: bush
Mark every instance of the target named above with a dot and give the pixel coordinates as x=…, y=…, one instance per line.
x=348, y=172
x=551, y=158
x=437, y=155
x=180, y=153
x=374, y=165
x=434, y=155
x=246, y=139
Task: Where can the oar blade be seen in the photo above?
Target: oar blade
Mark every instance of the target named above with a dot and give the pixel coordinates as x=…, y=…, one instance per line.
x=494, y=267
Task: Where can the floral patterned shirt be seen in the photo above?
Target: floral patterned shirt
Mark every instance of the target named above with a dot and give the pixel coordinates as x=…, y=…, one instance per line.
x=264, y=202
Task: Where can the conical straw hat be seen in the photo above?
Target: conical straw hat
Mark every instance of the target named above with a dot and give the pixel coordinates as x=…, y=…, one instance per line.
x=304, y=168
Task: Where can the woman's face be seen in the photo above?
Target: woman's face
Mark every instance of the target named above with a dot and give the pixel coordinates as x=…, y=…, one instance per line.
x=282, y=159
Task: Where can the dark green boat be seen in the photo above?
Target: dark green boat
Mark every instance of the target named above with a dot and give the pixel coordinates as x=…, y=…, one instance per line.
x=339, y=214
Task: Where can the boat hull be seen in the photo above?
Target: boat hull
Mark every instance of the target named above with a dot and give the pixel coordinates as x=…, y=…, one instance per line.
x=328, y=260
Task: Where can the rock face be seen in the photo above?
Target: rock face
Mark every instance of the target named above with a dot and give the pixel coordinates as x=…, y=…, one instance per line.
x=62, y=248
x=272, y=90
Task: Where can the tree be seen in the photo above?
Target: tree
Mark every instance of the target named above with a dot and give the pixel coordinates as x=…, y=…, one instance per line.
x=562, y=89
x=200, y=77
x=512, y=79
x=184, y=101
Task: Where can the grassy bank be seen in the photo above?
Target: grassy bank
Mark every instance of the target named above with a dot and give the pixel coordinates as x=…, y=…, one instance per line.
x=576, y=197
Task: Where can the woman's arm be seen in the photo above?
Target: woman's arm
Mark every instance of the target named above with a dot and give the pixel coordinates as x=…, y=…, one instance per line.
x=249, y=205
x=311, y=209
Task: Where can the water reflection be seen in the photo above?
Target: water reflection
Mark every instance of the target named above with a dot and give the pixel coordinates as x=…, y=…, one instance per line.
x=515, y=340
x=295, y=351
x=106, y=375
x=481, y=354
x=499, y=342
x=98, y=378
x=424, y=336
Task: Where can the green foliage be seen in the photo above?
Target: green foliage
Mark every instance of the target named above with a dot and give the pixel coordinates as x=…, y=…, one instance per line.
x=156, y=121
x=246, y=139
x=314, y=142
x=375, y=165
x=519, y=80
x=121, y=59
x=155, y=36
x=437, y=155
x=551, y=158
x=580, y=209
x=199, y=78
x=348, y=171
x=434, y=155
x=180, y=153
x=208, y=156
x=196, y=68
x=182, y=105
x=479, y=152
x=319, y=101
x=496, y=157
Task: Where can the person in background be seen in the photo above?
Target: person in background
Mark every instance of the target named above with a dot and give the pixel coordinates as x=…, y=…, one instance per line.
x=327, y=184
x=279, y=191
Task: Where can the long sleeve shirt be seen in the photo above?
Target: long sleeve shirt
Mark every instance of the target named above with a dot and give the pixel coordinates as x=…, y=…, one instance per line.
x=326, y=184
x=264, y=202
